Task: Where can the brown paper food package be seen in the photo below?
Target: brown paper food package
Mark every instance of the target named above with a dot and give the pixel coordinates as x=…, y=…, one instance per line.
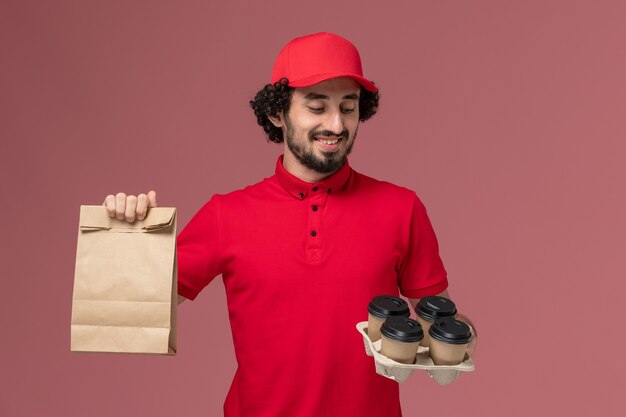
x=125, y=292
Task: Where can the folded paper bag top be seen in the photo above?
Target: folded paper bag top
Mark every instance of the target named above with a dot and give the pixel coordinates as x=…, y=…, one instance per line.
x=157, y=218
x=125, y=294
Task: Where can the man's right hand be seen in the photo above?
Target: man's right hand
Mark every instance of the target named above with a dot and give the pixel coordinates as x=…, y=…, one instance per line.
x=130, y=207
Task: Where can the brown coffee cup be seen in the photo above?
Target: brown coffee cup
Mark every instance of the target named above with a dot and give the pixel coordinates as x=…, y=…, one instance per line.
x=448, y=341
x=430, y=309
x=380, y=308
x=400, y=339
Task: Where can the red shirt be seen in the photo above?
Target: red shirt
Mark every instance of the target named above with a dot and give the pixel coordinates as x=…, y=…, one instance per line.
x=300, y=262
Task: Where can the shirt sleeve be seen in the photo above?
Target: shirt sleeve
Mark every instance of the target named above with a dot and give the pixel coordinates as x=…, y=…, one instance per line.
x=198, y=251
x=421, y=272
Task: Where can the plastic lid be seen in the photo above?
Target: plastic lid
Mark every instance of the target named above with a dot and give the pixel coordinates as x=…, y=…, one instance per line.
x=450, y=331
x=384, y=306
x=435, y=307
x=402, y=329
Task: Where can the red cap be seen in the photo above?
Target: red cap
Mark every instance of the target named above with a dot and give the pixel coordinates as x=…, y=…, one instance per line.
x=311, y=59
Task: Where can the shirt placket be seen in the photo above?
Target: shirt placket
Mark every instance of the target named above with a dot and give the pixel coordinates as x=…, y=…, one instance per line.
x=318, y=195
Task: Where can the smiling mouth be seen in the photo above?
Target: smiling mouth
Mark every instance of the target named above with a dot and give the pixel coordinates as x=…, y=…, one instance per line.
x=328, y=141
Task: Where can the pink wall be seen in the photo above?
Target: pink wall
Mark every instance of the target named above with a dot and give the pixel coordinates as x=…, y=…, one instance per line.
x=507, y=118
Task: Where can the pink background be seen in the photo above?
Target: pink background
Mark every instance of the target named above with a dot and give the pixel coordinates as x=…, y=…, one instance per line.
x=507, y=118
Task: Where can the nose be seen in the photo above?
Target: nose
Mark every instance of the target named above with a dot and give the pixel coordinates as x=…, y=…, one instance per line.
x=334, y=122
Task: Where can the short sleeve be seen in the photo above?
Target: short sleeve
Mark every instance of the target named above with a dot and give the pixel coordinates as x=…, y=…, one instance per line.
x=198, y=251
x=421, y=272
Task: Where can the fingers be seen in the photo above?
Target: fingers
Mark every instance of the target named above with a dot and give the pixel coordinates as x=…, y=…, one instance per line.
x=144, y=202
x=142, y=206
x=120, y=206
x=471, y=347
x=129, y=208
x=152, y=198
x=109, y=202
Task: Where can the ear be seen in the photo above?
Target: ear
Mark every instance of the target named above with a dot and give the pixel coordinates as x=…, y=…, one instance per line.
x=277, y=120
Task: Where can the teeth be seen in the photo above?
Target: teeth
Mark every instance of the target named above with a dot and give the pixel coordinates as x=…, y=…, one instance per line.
x=329, y=142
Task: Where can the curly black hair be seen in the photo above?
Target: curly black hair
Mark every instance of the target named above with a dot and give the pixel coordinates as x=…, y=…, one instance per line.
x=274, y=98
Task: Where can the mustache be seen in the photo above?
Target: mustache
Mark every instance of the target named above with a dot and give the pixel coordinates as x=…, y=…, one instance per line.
x=327, y=133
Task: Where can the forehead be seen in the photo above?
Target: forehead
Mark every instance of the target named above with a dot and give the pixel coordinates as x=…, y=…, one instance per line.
x=335, y=87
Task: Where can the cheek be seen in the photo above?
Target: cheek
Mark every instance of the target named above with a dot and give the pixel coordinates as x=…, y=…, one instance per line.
x=305, y=126
x=352, y=125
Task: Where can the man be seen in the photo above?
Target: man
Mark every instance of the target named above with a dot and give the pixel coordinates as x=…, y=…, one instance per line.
x=303, y=252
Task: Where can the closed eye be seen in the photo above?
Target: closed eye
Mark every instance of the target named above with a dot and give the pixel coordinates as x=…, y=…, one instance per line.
x=321, y=109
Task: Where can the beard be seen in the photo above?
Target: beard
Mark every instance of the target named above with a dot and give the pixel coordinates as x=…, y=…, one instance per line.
x=329, y=162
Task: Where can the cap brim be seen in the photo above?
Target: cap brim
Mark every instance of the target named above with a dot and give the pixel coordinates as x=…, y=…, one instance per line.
x=318, y=78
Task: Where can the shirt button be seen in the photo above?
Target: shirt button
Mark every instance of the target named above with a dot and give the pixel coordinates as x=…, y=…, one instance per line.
x=313, y=233
x=301, y=195
x=329, y=190
x=314, y=208
x=315, y=188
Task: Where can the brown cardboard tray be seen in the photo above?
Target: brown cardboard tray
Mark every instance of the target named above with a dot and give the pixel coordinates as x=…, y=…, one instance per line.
x=400, y=372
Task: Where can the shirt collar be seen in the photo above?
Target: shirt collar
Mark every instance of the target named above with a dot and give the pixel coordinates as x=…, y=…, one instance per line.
x=300, y=189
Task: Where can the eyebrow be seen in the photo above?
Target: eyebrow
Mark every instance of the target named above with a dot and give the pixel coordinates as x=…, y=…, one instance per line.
x=316, y=96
